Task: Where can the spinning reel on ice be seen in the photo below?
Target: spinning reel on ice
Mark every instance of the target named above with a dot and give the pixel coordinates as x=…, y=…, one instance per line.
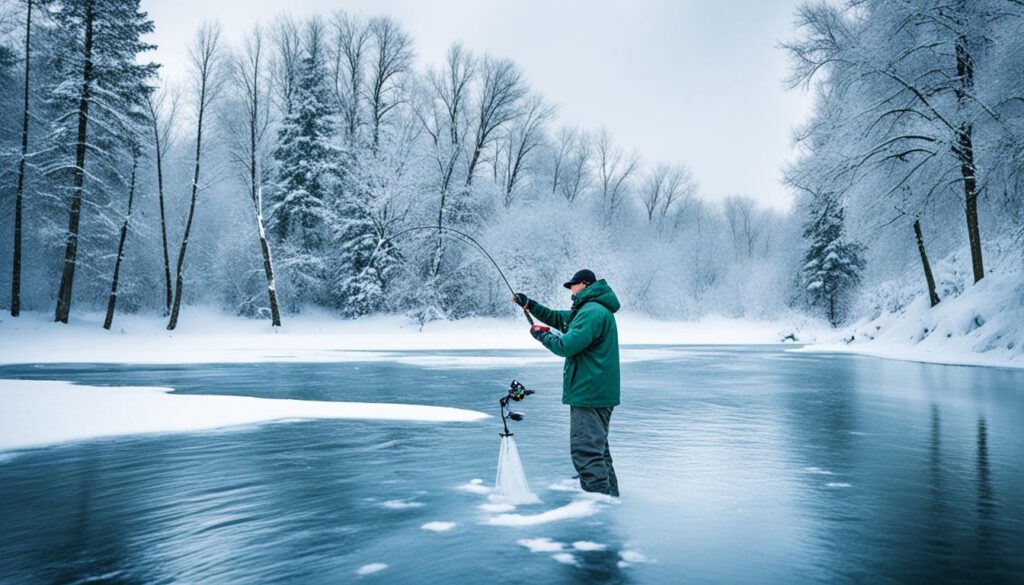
x=516, y=393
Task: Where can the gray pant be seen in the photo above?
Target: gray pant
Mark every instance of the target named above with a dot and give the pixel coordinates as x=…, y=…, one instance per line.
x=588, y=442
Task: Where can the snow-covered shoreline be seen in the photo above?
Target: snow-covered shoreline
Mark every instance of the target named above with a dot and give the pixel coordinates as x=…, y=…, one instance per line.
x=37, y=413
x=946, y=334
x=983, y=326
x=207, y=336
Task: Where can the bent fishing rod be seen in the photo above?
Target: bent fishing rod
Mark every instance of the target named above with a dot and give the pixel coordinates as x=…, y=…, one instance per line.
x=471, y=240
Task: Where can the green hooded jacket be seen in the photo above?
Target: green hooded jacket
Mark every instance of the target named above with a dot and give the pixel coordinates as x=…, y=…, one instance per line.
x=589, y=343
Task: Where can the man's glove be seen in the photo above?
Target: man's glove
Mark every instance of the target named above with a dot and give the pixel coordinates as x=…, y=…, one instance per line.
x=539, y=332
x=520, y=299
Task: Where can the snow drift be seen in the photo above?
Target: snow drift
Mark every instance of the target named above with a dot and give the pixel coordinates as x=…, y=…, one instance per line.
x=39, y=413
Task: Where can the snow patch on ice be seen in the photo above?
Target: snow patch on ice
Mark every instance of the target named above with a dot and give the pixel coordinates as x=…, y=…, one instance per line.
x=542, y=544
x=586, y=545
x=632, y=557
x=36, y=413
x=474, y=486
x=438, y=526
x=837, y=484
x=575, y=509
x=400, y=504
x=564, y=557
x=818, y=471
x=497, y=508
x=565, y=485
x=371, y=568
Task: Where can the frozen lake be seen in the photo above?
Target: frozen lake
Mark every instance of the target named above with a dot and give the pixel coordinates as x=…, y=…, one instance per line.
x=736, y=464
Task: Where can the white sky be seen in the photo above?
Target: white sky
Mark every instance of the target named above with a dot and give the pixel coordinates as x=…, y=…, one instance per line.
x=697, y=82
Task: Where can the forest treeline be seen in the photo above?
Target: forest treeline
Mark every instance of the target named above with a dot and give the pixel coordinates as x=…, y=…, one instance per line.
x=286, y=169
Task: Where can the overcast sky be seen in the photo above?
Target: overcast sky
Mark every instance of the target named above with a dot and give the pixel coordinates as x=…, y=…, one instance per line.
x=697, y=82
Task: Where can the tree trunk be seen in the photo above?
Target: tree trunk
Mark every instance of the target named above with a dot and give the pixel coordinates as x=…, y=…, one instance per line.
x=163, y=216
x=176, y=305
x=832, y=309
x=435, y=269
x=268, y=268
x=471, y=169
x=112, y=302
x=16, y=263
x=934, y=296
x=71, y=249
x=965, y=153
x=179, y=279
x=257, y=202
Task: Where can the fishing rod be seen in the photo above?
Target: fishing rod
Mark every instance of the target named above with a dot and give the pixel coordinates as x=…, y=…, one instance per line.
x=471, y=240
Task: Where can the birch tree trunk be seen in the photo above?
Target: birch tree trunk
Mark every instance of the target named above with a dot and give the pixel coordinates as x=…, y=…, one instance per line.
x=249, y=76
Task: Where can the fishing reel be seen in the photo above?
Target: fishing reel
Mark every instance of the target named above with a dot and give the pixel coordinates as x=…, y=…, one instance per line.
x=516, y=393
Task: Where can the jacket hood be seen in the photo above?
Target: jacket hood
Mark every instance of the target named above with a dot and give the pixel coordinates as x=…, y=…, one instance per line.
x=599, y=292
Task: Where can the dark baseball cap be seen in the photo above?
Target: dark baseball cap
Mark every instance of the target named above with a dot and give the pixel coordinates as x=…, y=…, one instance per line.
x=581, y=276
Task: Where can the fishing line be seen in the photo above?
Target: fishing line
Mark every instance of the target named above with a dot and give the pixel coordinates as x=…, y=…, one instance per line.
x=471, y=240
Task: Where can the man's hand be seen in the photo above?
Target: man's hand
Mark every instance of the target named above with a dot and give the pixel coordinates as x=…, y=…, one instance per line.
x=539, y=332
x=520, y=299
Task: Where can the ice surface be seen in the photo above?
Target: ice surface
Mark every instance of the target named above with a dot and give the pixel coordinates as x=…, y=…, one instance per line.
x=37, y=413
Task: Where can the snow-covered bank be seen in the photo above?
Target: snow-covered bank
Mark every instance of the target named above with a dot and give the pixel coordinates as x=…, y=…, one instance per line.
x=39, y=413
x=982, y=326
x=208, y=336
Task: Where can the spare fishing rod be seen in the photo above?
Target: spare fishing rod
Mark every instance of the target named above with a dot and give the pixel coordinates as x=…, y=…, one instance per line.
x=467, y=238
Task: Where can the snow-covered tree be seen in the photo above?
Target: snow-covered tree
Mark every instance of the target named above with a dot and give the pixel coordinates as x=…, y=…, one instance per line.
x=571, y=172
x=310, y=166
x=832, y=264
x=249, y=147
x=101, y=81
x=207, y=60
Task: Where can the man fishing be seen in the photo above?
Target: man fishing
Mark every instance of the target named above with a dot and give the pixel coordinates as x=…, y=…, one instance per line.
x=590, y=379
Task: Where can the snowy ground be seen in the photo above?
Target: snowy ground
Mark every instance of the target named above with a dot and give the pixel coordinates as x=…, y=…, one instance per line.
x=980, y=327
x=38, y=413
x=984, y=326
x=207, y=336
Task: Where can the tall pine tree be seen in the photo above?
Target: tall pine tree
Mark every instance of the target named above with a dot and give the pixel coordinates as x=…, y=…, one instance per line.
x=100, y=81
x=309, y=174
x=832, y=264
